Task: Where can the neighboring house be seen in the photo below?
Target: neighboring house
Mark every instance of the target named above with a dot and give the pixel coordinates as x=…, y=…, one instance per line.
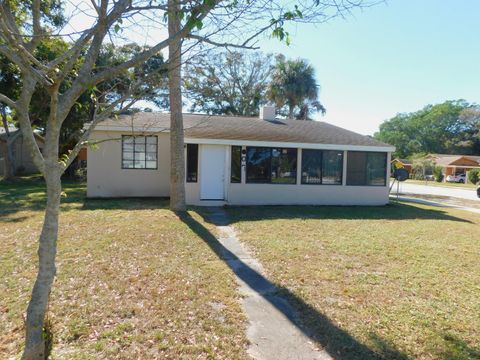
x=22, y=159
x=240, y=161
x=403, y=163
x=455, y=164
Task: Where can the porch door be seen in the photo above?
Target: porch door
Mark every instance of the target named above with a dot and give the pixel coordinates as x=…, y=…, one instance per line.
x=212, y=172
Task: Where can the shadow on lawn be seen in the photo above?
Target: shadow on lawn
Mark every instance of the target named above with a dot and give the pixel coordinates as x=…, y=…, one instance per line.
x=29, y=194
x=393, y=211
x=337, y=342
x=456, y=348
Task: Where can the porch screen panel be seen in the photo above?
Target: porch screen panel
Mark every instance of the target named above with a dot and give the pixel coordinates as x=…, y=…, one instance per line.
x=139, y=152
x=236, y=165
x=322, y=167
x=332, y=167
x=356, y=168
x=284, y=166
x=259, y=165
x=192, y=163
x=376, y=168
x=271, y=165
x=311, y=166
x=367, y=168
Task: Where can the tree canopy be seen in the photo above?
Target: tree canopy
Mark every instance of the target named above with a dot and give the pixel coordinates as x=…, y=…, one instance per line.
x=294, y=89
x=452, y=127
x=231, y=83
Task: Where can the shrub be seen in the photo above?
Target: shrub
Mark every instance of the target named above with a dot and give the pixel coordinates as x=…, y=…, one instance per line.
x=421, y=168
x=474, y=176
x=437, y=172
x=80, y=174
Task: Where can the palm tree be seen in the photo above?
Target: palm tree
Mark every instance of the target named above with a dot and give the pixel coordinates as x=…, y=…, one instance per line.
x=294, y=86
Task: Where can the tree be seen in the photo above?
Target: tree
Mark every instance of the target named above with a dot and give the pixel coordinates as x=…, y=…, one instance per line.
x=8, y=86
x=64, y=78
x=232, y=83
x=295, y=88
x=51, y=14
x=150, y=74
x=474, y=176
x=450, y=127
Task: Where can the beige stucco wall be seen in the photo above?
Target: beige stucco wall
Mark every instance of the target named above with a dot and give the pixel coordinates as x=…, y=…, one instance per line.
x=106, y=178
x=250, y=194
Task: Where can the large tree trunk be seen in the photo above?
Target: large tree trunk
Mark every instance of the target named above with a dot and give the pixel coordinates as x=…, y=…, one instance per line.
x=177, y=156
x=37, y=307
x=9, y=161
x=290, y=111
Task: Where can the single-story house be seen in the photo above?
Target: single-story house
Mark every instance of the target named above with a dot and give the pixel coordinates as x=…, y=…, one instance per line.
x=22, y=159
x=403, y=163
x=455, y=164
x=240, y=161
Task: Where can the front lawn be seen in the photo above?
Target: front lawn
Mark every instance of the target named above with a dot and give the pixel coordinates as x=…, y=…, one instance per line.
x=395, y=282
x=133, y=282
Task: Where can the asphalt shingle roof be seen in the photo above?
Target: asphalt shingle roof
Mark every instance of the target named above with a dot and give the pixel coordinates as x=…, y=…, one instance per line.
x=242, y=128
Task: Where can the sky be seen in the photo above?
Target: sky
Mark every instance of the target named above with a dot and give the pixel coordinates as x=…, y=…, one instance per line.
x=394, y=57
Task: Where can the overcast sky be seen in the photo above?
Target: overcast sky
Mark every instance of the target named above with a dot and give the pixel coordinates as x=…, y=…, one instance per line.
x=397, y=56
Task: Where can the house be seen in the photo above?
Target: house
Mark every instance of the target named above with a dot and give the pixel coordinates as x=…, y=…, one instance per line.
x=240, y=161
x=403, y=163
x=22, y=159
x=455, y=164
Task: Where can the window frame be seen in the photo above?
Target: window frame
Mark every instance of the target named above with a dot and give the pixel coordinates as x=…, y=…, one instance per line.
x=366, y=168
x=139, y=152
x=270, y=182
x=322, y=151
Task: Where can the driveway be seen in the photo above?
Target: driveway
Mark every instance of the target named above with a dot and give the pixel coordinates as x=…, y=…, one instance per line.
x=406, y=188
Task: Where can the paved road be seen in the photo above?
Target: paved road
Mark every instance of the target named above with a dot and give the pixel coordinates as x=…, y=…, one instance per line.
x=437, y=203
x=406, y=188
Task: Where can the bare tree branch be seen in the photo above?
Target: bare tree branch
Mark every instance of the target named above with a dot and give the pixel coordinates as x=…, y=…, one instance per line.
x=9, y=102
x=97, y=118
x=219, y=44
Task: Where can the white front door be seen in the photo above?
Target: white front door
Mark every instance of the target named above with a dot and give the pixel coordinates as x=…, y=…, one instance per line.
x=212, y=172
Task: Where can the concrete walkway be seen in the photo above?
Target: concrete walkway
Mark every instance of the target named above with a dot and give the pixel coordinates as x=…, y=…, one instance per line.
x=273, y=331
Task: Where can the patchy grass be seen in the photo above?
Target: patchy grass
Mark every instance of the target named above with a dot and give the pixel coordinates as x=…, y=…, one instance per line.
x=442, y=184
x=394, y=282
x=133, y=280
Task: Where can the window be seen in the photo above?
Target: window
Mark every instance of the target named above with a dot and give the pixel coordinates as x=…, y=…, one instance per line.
x=192, y=163
x=236, y=165
x=322, y=167
x=258, y=165
x=284, y=166
x=366, y=168
x=139, y=152
x=271, y=165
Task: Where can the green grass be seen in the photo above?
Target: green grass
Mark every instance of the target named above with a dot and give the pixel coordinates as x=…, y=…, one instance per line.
x=442, y=184
x=136, y=281
x=133, y=281
x=394, y=282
